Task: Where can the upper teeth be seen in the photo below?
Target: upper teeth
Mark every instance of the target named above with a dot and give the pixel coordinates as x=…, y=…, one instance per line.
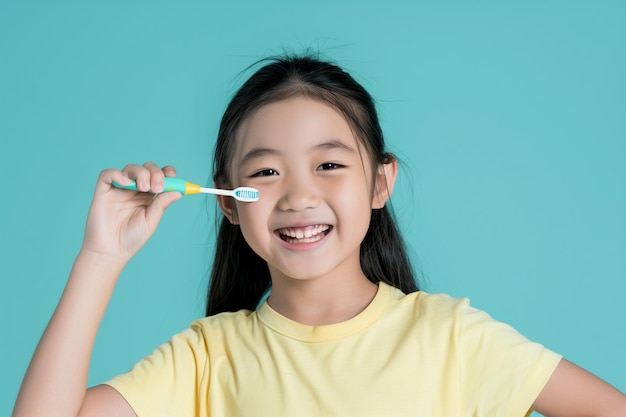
x=303, y=232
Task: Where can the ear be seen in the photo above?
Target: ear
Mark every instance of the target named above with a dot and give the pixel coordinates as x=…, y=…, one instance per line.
x=384, y=182
x=227, y=205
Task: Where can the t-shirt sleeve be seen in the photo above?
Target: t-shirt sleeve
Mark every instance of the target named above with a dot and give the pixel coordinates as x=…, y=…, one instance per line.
x=502, y=372
x=166, y=383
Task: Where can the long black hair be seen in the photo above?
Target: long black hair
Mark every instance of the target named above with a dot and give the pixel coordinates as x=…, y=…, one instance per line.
x=239, y=277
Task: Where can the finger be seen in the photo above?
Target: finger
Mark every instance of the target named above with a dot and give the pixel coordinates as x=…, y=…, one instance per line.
x=156, y=177
x=140, y=174
x=107, y=176
x=169, y=171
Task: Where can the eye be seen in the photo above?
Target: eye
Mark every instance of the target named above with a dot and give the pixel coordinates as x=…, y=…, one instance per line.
x=329, y=166
x=265, y=173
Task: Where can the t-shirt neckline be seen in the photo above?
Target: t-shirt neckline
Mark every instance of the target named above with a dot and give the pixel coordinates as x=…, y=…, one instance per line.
x=305, y=333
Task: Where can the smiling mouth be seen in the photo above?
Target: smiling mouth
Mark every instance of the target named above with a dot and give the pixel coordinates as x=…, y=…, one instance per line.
x=307, y=234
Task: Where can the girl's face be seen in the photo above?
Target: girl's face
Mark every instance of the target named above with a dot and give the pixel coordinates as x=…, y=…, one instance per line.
x=316, y=187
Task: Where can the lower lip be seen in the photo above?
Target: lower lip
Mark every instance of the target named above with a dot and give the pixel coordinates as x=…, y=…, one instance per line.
x=306, y=246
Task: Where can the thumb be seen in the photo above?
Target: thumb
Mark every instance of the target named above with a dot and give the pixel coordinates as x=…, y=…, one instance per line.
x=158, y=206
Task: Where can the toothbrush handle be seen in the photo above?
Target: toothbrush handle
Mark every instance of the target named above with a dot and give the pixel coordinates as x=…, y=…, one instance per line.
x=217, y=191
x=170, y=184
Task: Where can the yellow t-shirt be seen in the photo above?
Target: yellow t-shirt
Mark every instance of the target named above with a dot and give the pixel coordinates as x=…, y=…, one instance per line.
x=404, y=355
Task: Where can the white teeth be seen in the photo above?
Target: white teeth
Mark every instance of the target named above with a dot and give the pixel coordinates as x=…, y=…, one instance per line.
x=304, y=234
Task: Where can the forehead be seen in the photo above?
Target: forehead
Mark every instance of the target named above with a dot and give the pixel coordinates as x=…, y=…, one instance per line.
x=291, y=125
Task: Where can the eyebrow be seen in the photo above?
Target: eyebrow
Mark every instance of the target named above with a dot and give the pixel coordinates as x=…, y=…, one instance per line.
x=333, y=144
x=257, y=153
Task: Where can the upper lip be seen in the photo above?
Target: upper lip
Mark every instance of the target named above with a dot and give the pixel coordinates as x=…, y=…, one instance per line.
x=302, y=223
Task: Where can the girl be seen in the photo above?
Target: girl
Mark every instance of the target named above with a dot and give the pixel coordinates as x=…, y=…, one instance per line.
x=344, y=330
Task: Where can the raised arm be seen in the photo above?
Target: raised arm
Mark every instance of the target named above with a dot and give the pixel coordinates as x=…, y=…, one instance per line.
x=118, y=225
x=573, y=392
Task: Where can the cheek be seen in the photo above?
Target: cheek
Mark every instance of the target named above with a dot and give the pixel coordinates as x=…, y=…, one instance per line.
x=355, y=191
x=353, y=201
x=252, y=230
x=253, y=221
x=250, y=213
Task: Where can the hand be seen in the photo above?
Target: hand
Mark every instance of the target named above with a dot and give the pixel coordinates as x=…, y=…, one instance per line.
x=121, y=221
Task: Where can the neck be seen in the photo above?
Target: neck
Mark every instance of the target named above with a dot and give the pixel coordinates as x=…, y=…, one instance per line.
x=321, y=301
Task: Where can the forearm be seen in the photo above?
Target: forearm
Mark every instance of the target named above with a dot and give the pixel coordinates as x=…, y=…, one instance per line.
x=56, y=380
x=572, y=391
x=118, y=225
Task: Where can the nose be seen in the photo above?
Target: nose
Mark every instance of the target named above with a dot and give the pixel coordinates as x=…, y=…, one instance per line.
x=299, y=194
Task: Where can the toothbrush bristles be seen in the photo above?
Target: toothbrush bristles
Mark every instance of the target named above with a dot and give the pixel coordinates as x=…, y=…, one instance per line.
x=247, y=195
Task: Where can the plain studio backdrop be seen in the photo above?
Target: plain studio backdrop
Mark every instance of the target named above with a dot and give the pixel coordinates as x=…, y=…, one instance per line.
x=509, y=118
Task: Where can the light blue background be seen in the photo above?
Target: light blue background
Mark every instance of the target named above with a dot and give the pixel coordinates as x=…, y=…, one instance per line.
x=510, y=118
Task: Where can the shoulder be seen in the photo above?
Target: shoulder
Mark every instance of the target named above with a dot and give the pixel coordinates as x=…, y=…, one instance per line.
x=224, y=323
x=439, y=316
x=443, y=314
x=431, y=305
x=469, y=328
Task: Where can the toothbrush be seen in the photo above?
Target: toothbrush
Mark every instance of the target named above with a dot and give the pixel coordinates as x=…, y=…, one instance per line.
x=245, y=194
